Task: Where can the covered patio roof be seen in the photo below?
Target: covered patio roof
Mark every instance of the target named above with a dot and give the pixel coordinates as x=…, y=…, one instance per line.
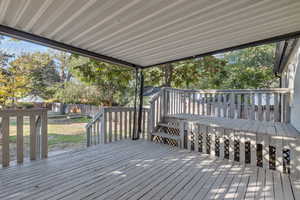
x=141, y=33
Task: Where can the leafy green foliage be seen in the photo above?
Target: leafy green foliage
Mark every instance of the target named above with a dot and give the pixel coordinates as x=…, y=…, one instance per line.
x=41, y=73
x=113, y=81
x=77, y=93
x=13, y=84
x=251, y=68
x=193, y=73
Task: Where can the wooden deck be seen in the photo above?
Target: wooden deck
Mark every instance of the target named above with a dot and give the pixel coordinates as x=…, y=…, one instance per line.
x=142, y=170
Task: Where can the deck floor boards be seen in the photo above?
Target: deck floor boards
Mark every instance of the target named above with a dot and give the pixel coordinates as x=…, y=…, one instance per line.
x=131, y=170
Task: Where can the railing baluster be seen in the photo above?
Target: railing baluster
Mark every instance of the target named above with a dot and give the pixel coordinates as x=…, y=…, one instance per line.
x=253, y=107
x=144, y=124
x=130, y=124
x=32, y=137
x=20, y=139
x=259, y=107
x=267, y=107
x=121, y=125
x=44, y=133
x=115, y=120
x=126, y=124
x=5, y=141
x=109, y=126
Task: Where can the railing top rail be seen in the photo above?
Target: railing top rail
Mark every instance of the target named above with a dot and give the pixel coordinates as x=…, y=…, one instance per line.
x=247, y=91
x=154, y=97
x=121, y=109
x=97, y=117
x=22, y=112
x=112, y=109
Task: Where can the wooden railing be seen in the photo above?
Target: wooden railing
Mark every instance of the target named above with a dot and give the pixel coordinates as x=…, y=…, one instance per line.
x=259, y=104
x=38, y=134
x=113, y=124
x=156, y=110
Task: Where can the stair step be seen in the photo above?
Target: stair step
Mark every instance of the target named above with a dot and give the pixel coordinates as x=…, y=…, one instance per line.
x=167, y=125
x=164, y=135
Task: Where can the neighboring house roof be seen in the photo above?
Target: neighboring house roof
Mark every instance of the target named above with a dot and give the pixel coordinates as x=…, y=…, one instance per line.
x=284, y=50
x=32, y=99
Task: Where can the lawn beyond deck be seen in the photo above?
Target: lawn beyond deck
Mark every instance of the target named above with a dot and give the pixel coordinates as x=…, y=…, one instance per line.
x=141, y=170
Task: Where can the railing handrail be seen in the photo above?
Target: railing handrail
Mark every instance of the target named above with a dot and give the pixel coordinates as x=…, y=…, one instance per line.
x=104, y=109
x=248, y=91
x=155, y=96
x=95, y=118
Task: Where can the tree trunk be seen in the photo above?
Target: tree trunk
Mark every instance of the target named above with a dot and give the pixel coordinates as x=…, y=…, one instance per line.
x=168, y=74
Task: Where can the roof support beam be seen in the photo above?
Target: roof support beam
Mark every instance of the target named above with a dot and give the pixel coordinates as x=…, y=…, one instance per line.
x=242, y=46
x=5, y=30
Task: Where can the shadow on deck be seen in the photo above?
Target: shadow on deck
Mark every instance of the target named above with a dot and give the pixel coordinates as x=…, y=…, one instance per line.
x=142, y=170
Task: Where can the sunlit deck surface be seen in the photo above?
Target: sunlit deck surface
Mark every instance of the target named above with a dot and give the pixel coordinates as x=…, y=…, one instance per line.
x=142, y=170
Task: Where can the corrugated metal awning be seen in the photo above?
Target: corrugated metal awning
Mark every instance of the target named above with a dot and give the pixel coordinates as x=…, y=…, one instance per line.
x=148, y=32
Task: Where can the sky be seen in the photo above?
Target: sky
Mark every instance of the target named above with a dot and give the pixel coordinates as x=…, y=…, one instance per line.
x=18, y=47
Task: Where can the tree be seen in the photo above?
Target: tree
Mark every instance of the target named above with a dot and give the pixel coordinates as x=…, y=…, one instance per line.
x=41, y=73
x=13, y=84
x=194, y=73
x=63, y=62
x=113, y=81
x=246, y=68
x=78, y=93
x=257, y=56
x=251, y=68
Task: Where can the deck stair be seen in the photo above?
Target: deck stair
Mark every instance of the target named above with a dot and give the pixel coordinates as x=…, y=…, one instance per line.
x=168, y=133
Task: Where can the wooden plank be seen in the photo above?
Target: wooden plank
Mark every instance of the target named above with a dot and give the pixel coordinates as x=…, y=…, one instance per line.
x=196, y=136
x=194, y=103
x=116, y=121
x=5, y=141
x=220, y=133
x=242, y=147
x=182, y=130
x=20, y=140
x=259, y=107
x=203, y=132
x=189, y=129
x=253, y=107
x=232, y=106
x=126, y=126
x=278, y=189
x=276, y=108
x=33, y=133
x=246, y=106
x=239, y=105
x=268, y=110
x=269, y=193
x=110, y=131
x=251, y=186
x=252, y=138
x=225, y=106
x=121, y=130
x=212, y=132
x=44, y=133
x=230, y=135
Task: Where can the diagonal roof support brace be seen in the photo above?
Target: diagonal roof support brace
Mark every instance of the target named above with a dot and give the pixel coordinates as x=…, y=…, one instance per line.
x=279, y=38
x=8, y=31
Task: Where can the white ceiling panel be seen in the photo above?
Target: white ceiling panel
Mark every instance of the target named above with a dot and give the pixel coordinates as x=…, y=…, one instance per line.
x=145, y=33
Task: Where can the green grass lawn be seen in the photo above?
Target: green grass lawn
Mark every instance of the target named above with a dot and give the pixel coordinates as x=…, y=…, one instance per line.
x=62, y=133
